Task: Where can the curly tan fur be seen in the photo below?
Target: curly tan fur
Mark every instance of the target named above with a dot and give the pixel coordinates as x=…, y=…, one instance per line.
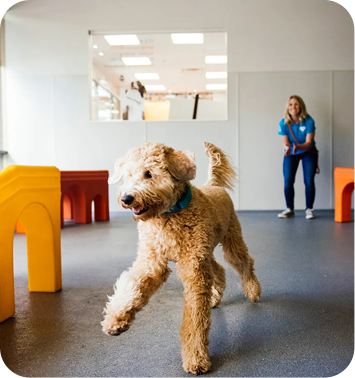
x=155, y=176
x=220, y=171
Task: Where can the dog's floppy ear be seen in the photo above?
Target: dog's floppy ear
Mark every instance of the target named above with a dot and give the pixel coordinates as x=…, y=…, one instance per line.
x=182, y=165
x=117, y=174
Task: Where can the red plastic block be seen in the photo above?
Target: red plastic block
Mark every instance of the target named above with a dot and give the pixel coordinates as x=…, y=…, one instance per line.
x=79, y=189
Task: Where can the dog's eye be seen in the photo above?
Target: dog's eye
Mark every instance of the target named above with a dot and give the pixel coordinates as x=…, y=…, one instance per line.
x=147, y=174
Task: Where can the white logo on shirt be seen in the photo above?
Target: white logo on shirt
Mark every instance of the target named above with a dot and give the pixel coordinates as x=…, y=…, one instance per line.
x=303, y=128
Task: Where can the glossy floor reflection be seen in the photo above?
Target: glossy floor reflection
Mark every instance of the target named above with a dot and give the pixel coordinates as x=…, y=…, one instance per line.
x=302, y=326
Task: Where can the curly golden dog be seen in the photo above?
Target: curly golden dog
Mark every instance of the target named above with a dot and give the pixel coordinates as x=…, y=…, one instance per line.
x=182, y=223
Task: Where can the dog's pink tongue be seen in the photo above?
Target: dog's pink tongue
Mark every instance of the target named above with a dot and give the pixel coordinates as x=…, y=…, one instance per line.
x=137, y=209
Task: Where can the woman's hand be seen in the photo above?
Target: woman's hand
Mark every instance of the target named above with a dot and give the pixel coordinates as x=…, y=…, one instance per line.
x=287, y=150
x=295, y=148
x=287, y=145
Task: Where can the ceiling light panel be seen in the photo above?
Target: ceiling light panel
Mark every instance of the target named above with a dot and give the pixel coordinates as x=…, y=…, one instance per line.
x=187, y=38
x=147, y=76
x=215, y=59
x=212, y=87
x=122, y=40
x=137, y=61
x=155, y=87
x=216, y=75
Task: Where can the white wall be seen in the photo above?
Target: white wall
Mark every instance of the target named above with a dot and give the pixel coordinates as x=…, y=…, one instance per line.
x=261, y=162
x=343, y=119
x=47, y=86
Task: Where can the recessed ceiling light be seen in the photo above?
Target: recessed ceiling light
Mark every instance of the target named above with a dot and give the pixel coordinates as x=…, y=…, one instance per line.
x=216, y=59
x=137, y=61
x=122, y=40
x=155, y=87
x=216, y=86
x=195, y=90
x=216, y=75
x=147, y=76
x=101, y=53
x=94, y=46
x=187, y=38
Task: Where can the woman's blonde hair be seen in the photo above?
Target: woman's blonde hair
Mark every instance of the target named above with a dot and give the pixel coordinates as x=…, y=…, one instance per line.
x=303, y=111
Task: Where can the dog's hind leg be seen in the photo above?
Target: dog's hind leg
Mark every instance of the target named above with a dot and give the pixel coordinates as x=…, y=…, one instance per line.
x=236, y=254
x=133, y=290
x=196, y=275
x=219, y=282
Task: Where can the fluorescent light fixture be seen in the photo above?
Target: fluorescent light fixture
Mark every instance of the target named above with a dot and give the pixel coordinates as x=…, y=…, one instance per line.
x=187, y=38
x=147, y=76
x=216, y=75
x=101, y=53
x=94, y=46
x=137, y=61
x=155, y=87
x=216, y=86
x=122, y=40
x=215, y=59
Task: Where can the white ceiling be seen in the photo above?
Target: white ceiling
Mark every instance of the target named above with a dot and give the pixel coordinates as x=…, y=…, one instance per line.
x=181, y=68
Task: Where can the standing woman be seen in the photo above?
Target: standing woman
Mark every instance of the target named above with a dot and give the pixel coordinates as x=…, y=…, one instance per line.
x=297, y=130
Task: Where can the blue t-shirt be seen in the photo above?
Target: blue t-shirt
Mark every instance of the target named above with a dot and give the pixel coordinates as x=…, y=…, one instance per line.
x=300, y=130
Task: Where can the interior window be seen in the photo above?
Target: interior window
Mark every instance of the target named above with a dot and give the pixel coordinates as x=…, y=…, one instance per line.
x=160, y=76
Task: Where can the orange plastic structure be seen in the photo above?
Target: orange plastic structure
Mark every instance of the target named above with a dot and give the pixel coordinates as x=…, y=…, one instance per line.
x=20, y=229
x=344, y=186
x=31, y=194
x=79, y=189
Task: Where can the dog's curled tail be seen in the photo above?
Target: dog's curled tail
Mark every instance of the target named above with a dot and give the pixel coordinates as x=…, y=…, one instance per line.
x=220, y=170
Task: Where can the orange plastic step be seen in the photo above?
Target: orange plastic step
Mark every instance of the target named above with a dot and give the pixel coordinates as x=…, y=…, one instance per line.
x=344, y=186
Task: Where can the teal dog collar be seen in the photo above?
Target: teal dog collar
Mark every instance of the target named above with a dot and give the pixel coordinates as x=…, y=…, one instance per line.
x=181, y=204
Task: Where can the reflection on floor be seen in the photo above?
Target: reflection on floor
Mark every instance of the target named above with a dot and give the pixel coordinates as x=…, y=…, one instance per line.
x=302, y=326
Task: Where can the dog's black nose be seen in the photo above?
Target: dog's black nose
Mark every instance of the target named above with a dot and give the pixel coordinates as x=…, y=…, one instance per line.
x=127, y=199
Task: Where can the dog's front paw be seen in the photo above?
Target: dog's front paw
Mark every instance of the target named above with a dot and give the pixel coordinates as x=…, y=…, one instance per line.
x=197, y=366
x=114, y=326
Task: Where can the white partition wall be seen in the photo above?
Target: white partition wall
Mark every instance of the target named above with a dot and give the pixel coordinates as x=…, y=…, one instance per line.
x=343, y=121
x=343, y=118
x=30, y=126
x=48, y=87
x=262, y=99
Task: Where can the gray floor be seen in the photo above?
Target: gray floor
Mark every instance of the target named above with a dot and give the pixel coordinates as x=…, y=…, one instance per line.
x=302, y=326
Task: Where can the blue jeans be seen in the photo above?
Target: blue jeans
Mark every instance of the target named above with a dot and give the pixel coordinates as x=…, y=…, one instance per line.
x=309, y=165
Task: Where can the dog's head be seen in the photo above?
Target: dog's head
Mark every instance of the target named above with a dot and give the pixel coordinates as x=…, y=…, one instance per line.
x=152, y=178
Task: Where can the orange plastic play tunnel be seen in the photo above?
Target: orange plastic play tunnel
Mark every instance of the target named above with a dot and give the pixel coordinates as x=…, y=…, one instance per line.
x=31, y=195
x=344, y=186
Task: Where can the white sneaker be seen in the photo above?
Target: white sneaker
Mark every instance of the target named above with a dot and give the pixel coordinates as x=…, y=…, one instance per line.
x=288, y=213
x=309, y=214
